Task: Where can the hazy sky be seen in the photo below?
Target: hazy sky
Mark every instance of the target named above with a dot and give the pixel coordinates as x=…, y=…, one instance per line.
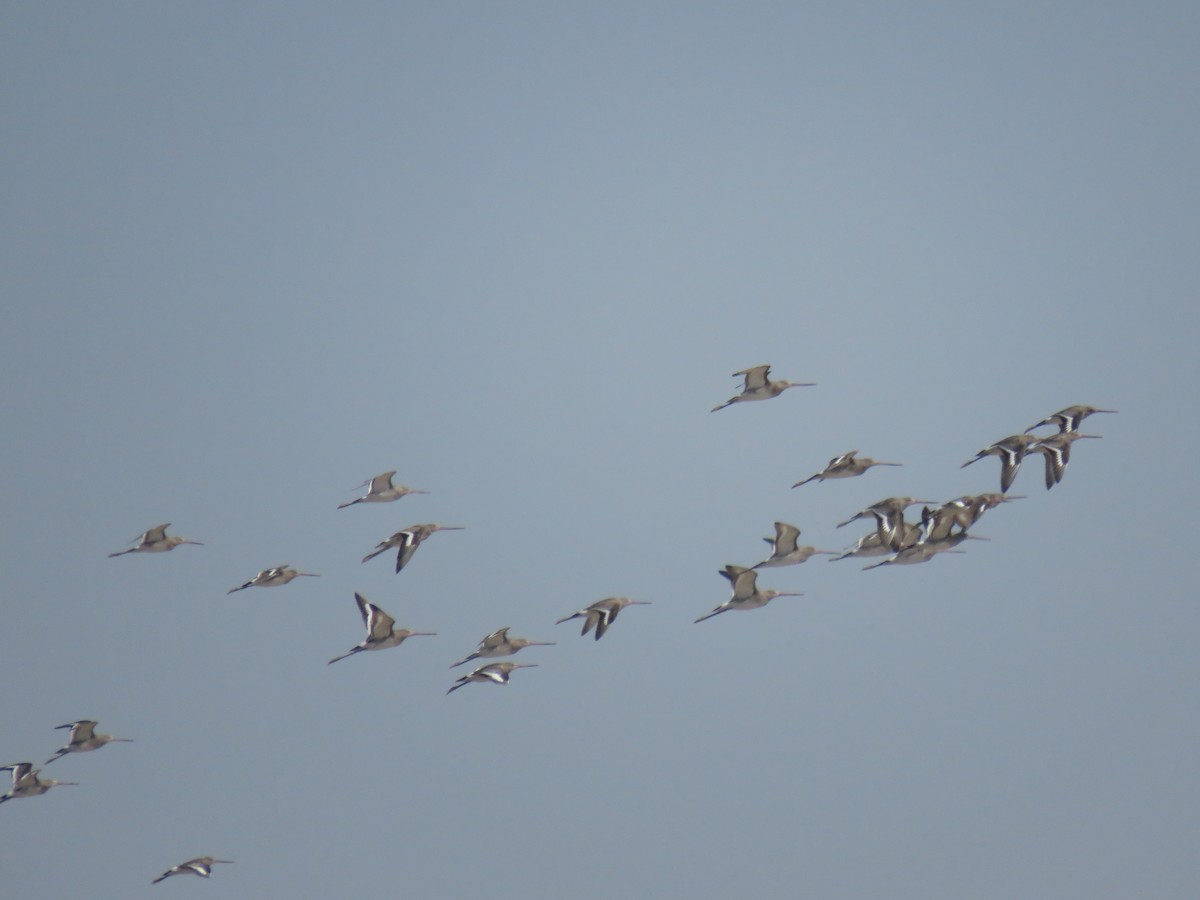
x=257, y=253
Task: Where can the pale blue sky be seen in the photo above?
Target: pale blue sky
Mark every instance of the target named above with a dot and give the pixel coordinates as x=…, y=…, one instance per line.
x=254, y=256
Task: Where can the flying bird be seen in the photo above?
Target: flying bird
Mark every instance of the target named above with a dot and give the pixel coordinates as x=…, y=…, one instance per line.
x=272, y=578
x=407, y=542
x=1069, y=419
x=381, y=630
x=25, y=781
x=1011, y=451
x=498, y=643
x=923, y=551
x=601, y=614
x=496, y=673
x=380, y=489
x=201, y=865
x=155, y=540
x=848, y=465
x=1057, y=451
x=889, y=519
x=758, y=386
x=785, y=552
x=746, y=594
x=83, y=737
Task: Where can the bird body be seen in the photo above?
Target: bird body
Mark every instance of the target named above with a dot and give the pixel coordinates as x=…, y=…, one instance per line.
x=848, y=465
x=496, y=673
x=757, y=386
x=273, y=577
x=381, y=630
x=83, y=737
x=601, y=614
x=498, y=643
x=156, y=540
x=380, y=489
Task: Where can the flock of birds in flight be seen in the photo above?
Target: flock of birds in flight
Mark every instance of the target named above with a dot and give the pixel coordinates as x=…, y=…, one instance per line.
x=941, y=528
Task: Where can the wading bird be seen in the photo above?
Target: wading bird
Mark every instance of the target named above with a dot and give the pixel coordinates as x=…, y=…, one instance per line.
x=1067, y=420
x=381, y=490
x=83, y=737
x=1011, y=451
x=968, y=509
x=201, y=865
x=496, y=673
x=25, y=781
x=784, y=550
x=273, y=578
x=848, y=465
x=601, y=614
x=155, y=541
x=923, y=551
x=758, y=386
x=746, y=594
x=871, y=544
x=889, y=519
x=381, y=630
x=498, y=643
x=1057, y=450
x=407, y=542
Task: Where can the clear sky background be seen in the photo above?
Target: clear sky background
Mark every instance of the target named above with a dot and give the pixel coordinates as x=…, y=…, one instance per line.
x=257, y=253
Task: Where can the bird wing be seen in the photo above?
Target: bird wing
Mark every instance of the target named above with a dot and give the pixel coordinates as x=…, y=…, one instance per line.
x=408, y=547
x=744, y=584
x=19, y=771
x=785, y=537
x=494, y=673
x=732, y=572
x=604, y=618
x=495, y=639
x=379, y=624
x=364, y=610
x=756, y=377
x=156, y=534
x=592, y=618
x=385, y=544
x=381, y=483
